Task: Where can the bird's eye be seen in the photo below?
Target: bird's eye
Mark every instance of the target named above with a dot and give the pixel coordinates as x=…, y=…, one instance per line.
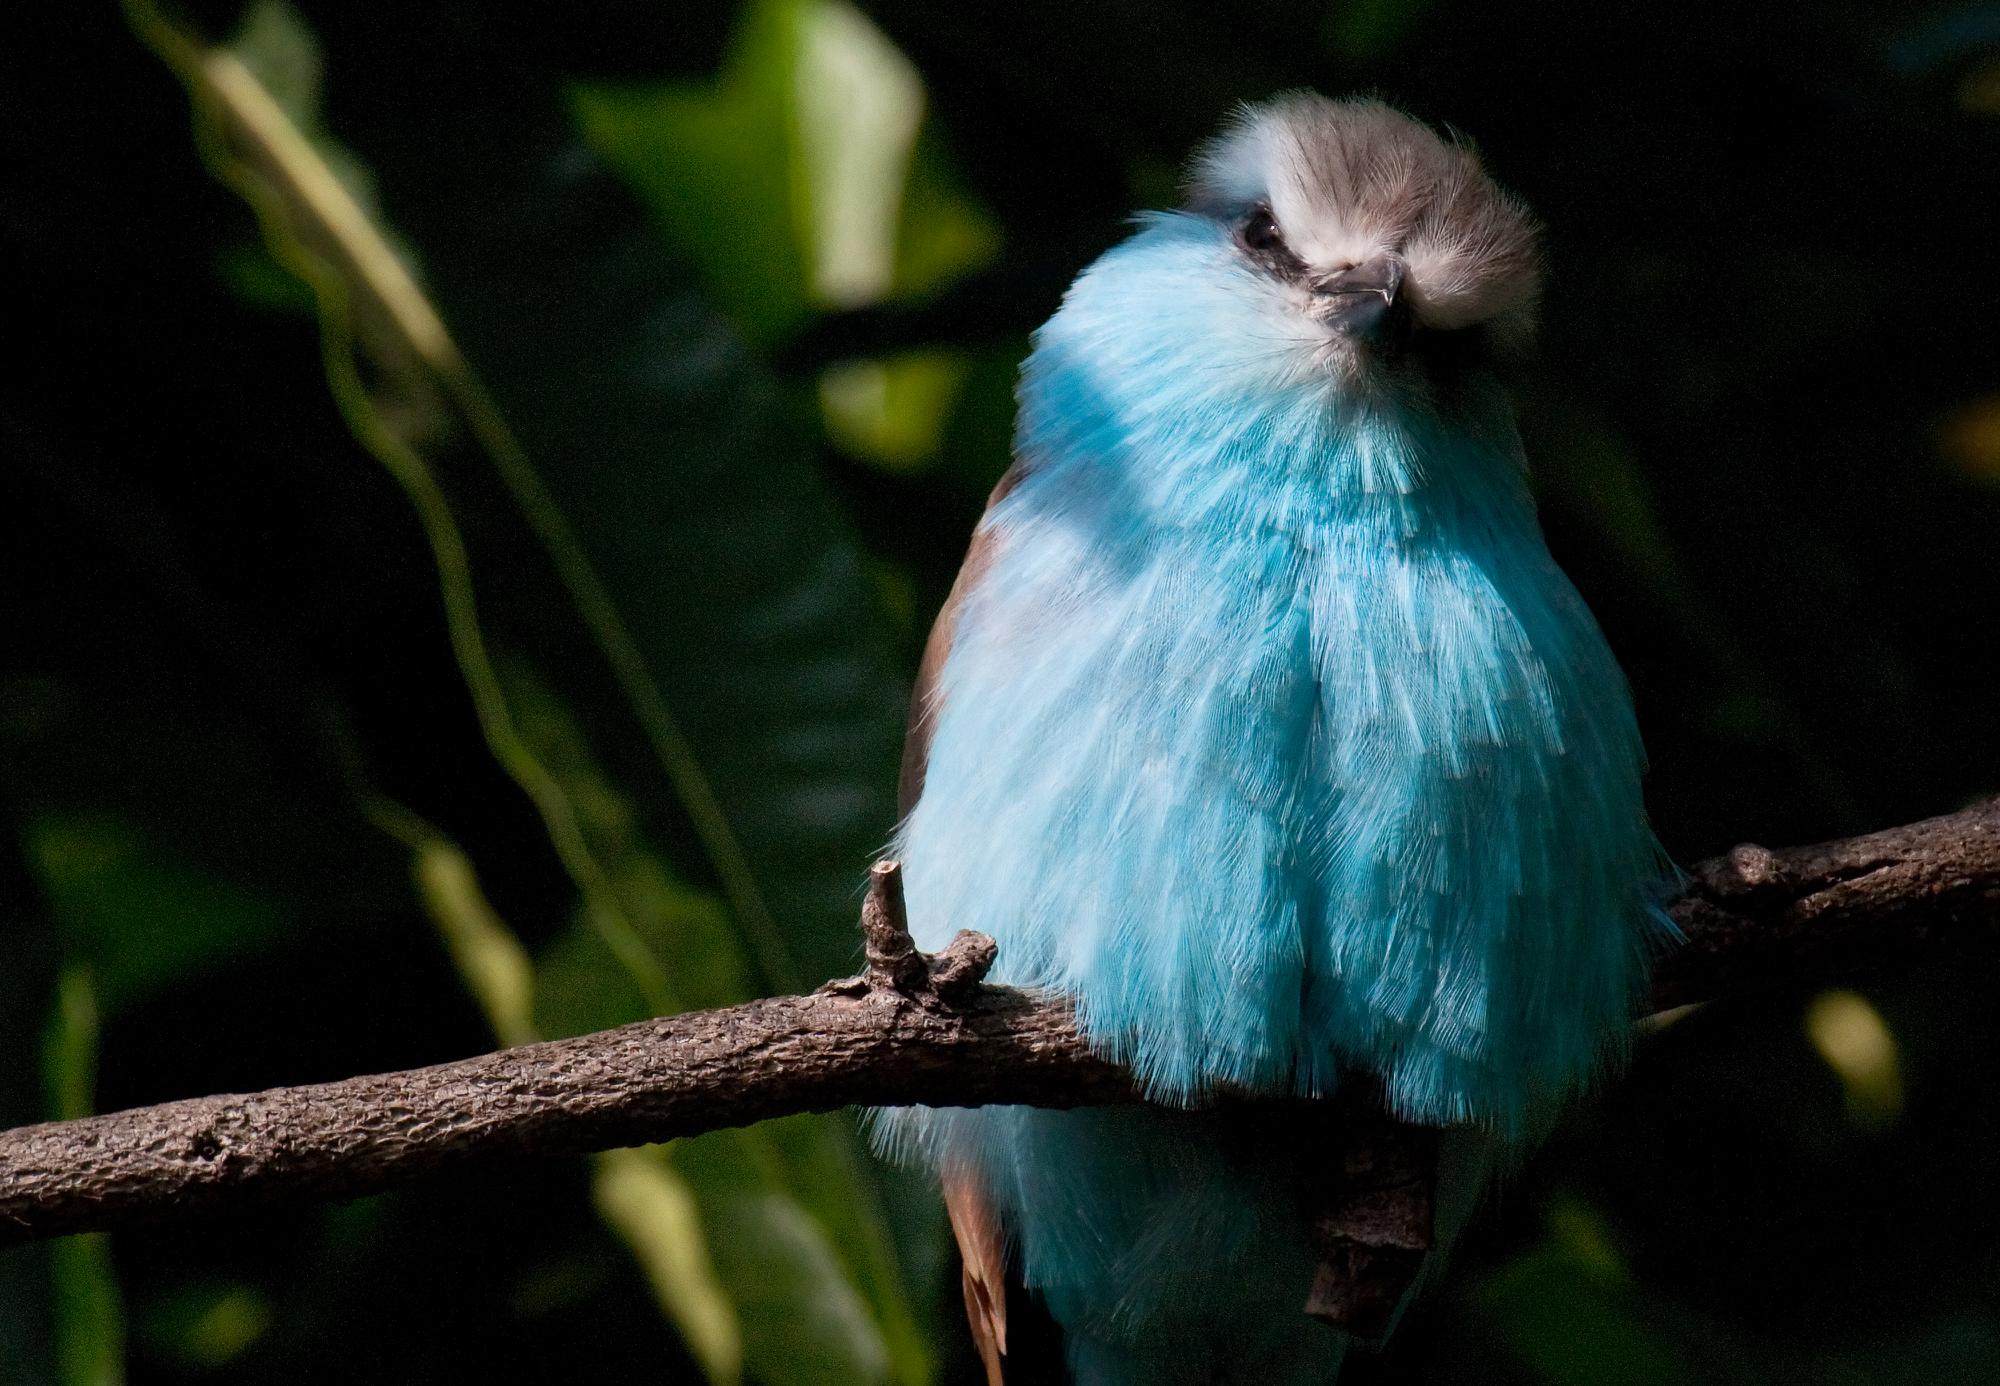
x=1264, y=243
x=1260, y=231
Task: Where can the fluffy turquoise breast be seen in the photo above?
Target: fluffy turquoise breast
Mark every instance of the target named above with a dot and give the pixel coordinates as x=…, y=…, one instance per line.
x=1284, y=748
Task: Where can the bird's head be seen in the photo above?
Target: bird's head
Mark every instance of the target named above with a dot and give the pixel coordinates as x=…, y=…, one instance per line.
x=1366, y=231
x=1329, y=251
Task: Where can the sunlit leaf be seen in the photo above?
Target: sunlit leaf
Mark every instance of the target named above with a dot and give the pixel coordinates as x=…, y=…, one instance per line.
x=812, y=139
x=1857, y=1044
x=490, y=959
x=650, y=1206
x=856, y=104
x=892, y=411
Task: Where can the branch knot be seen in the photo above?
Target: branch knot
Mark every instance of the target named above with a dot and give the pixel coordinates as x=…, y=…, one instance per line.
x=1750, y=870
x=946, y=979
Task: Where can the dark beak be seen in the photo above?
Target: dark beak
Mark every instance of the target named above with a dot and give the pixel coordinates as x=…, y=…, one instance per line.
x=1365, y=302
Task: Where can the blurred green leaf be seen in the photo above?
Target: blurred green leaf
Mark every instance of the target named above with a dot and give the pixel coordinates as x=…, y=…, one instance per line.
x=892, y=411
x=144, y=913
x=650, y=1206
x=589, y=825
x=942, y=231
x=812, y=140
x=1571, y=1327
x=206, y=1324
x=716, y=164
x=69, y=1052
x=90, y=1312
x=676, y=945
x=784, y=1307
x=791, y=1291
x=638, y=1193
x=580, y=986
x=163, y=846
x=489, y=958
x=254, y=276
x=279, y=48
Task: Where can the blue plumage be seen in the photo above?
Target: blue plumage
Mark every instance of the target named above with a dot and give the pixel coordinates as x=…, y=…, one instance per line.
x=1271, y=733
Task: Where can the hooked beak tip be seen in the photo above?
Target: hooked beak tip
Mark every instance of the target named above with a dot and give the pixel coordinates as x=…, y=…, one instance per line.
x=1366, y=302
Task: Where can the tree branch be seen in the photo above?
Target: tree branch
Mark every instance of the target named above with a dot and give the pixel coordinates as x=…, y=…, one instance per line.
x=1754, y=917
x=917, y=1029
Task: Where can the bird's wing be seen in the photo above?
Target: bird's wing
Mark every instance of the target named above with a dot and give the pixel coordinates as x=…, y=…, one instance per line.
x=981, y=1243
x=926, y=701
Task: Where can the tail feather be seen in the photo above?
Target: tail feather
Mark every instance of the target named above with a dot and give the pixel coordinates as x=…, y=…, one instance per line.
x=983, y=1248
x=1170, y=1246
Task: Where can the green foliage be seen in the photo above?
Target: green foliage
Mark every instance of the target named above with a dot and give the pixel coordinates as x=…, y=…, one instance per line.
x=675, y=948
x=90, y=1320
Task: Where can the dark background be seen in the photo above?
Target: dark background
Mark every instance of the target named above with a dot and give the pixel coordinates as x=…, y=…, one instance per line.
x=1765, y=423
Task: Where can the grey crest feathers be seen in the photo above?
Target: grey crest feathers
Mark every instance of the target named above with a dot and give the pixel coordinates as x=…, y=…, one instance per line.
x=1347, y=182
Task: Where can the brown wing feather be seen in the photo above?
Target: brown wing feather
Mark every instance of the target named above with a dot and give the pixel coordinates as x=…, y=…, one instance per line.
x=981, y=1244
x=984, y=1250
x=925, y=702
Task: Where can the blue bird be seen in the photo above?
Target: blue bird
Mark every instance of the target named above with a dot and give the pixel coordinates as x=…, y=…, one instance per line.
x=1262, y=725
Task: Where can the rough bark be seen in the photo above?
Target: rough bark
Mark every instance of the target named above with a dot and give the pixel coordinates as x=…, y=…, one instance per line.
x=924, y=1029
x=1753, y=917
